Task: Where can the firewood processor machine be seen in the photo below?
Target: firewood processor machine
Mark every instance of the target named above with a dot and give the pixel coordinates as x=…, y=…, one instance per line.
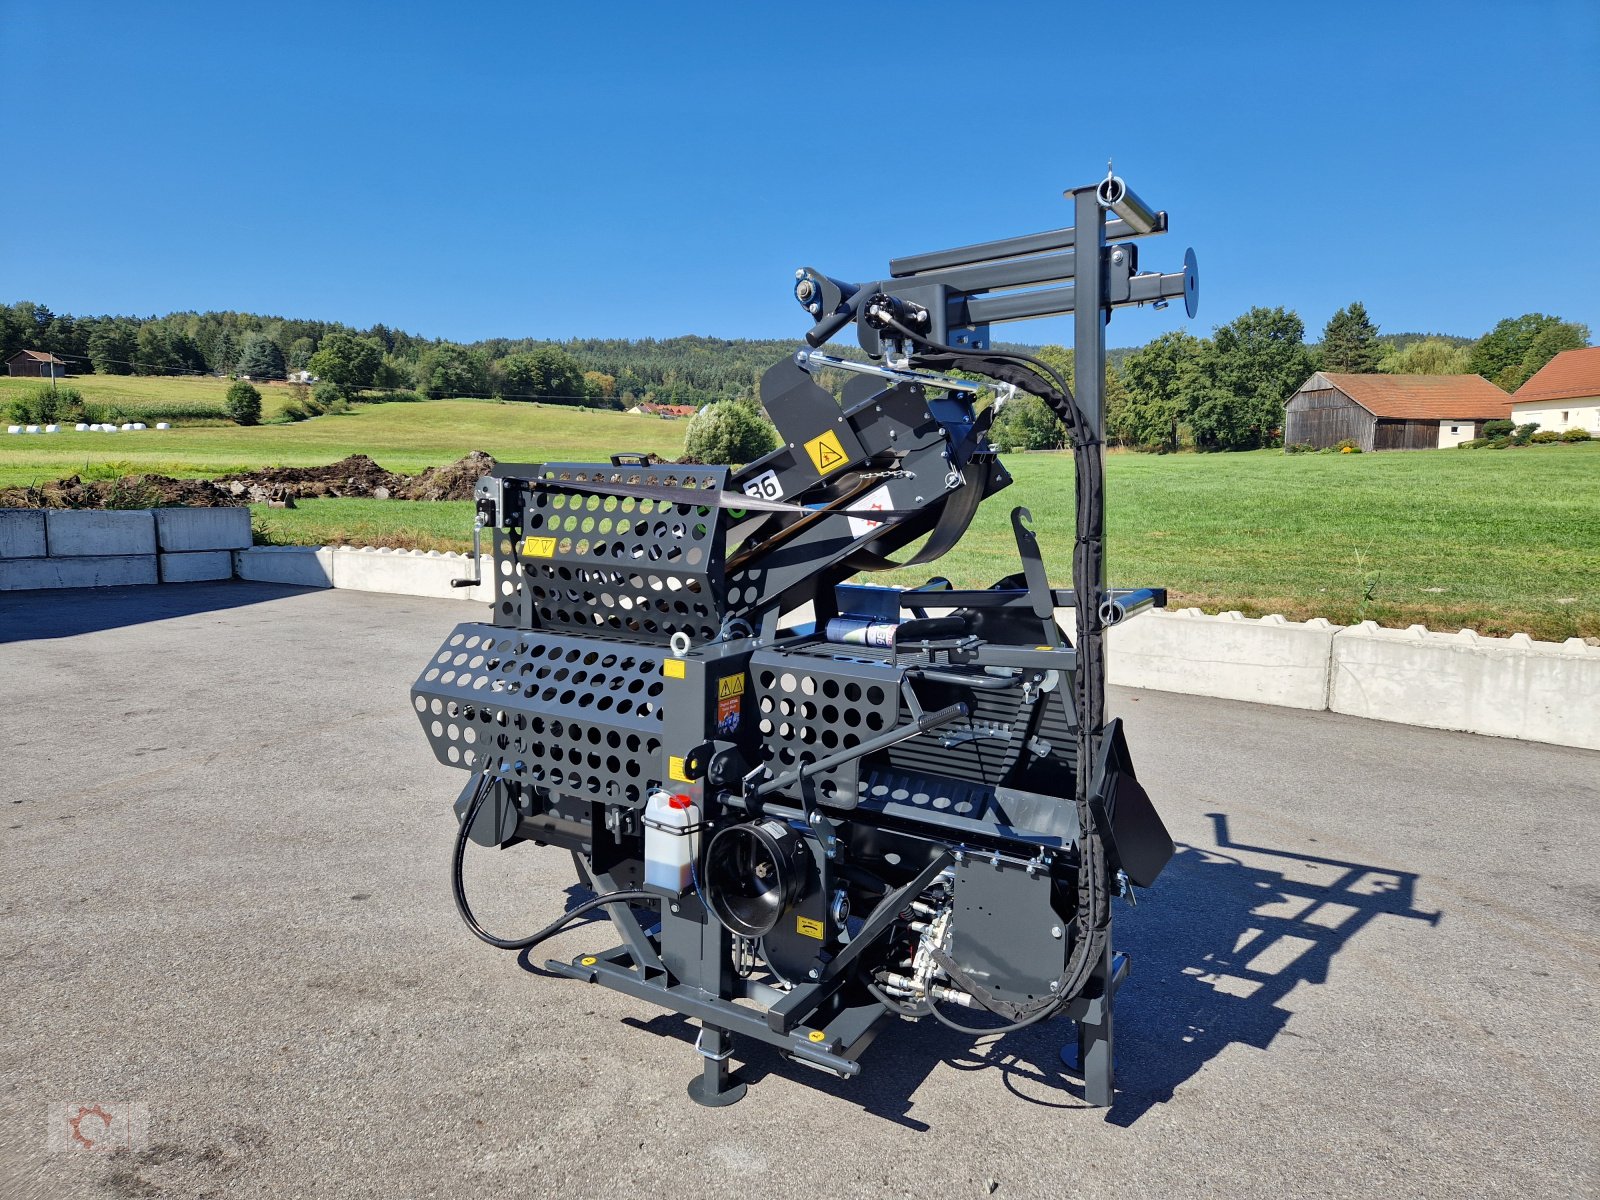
x=810, y=805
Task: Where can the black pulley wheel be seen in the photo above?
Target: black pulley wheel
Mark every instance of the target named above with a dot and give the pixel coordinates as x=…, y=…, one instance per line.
x=754, y=873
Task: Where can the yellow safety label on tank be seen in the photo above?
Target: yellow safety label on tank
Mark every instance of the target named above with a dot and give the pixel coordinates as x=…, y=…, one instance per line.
x=809, y=928
x=674, y=668
x=730, y=685
x=827, y=454
x=538, y=547
x=676, y=770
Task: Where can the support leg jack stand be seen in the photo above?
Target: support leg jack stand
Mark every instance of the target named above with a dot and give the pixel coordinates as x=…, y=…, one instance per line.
x=715, y=1086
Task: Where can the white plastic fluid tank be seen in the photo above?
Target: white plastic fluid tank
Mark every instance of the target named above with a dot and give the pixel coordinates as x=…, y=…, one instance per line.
x=671, y=837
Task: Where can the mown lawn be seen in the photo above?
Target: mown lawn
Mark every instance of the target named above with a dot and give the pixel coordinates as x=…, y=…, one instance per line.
x=136, y=394
x=401, y=437
x=1498, y=541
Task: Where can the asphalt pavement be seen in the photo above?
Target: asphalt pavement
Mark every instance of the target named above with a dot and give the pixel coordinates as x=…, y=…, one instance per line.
x=1372, y=969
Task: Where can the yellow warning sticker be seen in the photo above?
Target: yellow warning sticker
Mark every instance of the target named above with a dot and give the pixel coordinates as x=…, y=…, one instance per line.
x=674, y=668
x=538, y=547
x=680, y=774
x=730, y=685
x=826, y=452
x=809, y=928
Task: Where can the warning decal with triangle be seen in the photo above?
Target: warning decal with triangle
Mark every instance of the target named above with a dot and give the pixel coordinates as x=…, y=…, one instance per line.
x=826, y=452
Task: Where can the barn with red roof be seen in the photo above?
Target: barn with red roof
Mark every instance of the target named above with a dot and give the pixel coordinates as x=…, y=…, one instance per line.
x=1391, y=412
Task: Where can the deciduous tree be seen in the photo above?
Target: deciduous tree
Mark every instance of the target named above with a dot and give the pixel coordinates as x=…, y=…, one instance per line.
x=1253, y=366
x=347, y=361
x=1430, y=356
x=548, y=373
x=1163, y=381
x=450, y=370
x=1518, y=346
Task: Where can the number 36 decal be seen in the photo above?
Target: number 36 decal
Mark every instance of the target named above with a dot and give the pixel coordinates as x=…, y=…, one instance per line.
x=765, y=486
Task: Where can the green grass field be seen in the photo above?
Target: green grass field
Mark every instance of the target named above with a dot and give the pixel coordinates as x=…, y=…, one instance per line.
x=402, y=437
x=139, y=393
x=1499, y=541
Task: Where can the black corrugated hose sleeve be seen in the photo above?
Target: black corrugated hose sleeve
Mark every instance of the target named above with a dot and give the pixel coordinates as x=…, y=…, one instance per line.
x=1093, y=918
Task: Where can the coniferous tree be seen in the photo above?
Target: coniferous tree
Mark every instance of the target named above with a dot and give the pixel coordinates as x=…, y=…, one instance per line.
x=1350, y=341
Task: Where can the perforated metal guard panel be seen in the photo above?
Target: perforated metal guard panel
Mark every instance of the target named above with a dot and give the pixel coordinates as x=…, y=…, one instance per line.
x=577, y=717
x=509, y=596
x=814, y=706
x=631, y=567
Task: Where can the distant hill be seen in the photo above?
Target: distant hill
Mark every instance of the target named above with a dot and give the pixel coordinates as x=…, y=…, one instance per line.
x=1405, y=339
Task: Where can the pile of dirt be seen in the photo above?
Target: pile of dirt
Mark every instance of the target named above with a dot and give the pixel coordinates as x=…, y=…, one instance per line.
x=356, y=475
x=452, y=482
x=130, y=491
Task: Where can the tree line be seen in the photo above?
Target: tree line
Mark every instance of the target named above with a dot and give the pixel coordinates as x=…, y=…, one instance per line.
x=1227, y=392
x=598, y=372
x=1223, y=392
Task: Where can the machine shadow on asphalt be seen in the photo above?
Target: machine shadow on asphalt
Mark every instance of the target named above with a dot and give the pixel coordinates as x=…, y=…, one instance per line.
x=1242, y=927
x=71, y=612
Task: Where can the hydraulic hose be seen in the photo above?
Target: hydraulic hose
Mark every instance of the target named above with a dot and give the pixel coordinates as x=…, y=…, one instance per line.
x=458, y=884
x=1094, y=901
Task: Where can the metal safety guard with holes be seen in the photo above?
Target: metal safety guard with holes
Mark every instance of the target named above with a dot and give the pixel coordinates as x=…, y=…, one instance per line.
x=809, y=805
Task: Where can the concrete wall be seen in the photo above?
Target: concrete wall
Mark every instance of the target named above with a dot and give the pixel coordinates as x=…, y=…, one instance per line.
x=1509, y=687
x=367, y=569
x=56, y=548
x=1265, y=661
x=1506, y=687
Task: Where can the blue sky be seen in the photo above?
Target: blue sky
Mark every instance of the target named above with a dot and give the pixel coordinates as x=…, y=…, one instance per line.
x=619, y=169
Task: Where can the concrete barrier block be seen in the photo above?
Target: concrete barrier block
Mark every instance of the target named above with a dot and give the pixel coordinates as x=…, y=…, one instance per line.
x=83, y=571
x=193, y=566
x=303, y=566
x=70, y=532
x=409, y=572
x=203, y=528
x=1266, y=661
x=21, y=533
x=1508, y=687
